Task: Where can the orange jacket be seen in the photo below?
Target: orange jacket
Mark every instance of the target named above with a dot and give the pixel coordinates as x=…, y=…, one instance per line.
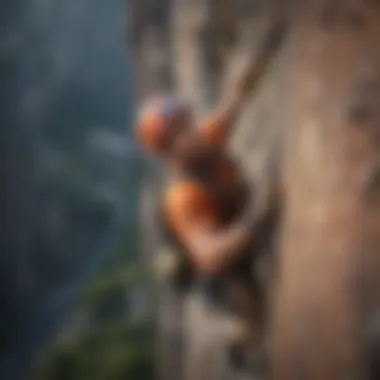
x=190, y=204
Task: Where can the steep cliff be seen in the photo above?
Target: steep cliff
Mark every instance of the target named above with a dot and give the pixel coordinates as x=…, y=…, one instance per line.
x=329, y=253
x=322, y=91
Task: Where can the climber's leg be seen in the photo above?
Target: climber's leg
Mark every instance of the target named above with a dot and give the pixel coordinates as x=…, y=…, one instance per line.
x=246, y=300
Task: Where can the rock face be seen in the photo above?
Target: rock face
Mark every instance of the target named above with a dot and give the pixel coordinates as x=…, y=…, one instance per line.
x=194, y=49
x=328, y=284
x=311, y=126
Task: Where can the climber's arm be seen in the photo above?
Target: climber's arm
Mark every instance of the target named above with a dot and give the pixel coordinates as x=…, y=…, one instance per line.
x=211, y=249
x=219, y=127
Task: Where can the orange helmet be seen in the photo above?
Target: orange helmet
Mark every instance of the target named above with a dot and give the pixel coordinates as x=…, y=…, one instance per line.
x=157, y=121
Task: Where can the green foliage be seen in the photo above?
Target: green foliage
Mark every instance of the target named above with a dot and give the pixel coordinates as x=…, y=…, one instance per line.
x=105, y=286
x=114, y=352
x=109, y=346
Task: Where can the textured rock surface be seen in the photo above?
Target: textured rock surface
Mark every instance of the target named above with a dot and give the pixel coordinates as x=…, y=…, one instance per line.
x=328, y=255
x=328, y=284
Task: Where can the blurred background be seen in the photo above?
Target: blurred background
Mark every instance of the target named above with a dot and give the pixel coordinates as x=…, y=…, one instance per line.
x=73, y=305
x=76, y=299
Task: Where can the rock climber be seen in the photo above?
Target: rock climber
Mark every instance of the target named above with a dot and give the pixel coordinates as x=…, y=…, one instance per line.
x=206, y=194
x=205, y=201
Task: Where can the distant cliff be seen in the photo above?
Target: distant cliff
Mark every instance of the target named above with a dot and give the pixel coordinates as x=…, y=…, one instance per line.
x=66, y=162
